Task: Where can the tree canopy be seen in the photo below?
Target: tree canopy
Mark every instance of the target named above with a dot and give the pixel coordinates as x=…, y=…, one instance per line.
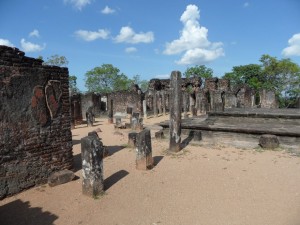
x=200, y=71
x=56, y=60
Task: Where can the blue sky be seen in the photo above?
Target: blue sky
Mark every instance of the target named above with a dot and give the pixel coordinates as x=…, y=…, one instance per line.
x=151, y=38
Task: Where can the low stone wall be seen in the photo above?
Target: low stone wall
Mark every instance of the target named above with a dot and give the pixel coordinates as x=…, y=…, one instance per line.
x=35, y=128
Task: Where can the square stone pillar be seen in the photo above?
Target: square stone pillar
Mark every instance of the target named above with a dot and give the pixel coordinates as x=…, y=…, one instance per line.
x=175, y=111
x=92, y=166
x=144, y=158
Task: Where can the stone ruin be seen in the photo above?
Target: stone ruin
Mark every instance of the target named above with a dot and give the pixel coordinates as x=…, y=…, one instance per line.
x=35, y=128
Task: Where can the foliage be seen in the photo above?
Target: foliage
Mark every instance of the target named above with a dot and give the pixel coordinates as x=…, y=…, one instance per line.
x=281, y=76
x=56, y=60
x=248, y=74
x=73, y=84
x=200, y=71
x=143, y=84
x=106, y=79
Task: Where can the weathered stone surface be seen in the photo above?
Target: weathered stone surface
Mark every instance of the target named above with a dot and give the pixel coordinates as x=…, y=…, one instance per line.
x=175, y=111
x=60, y=177
x=89, y=117
x=144, y=158
x=159, y=134
x=111, y=112
x=92, y=166
x=132, y=139
x=35, y=129
x=269, y=141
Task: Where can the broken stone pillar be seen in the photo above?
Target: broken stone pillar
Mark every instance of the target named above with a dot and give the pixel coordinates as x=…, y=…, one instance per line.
x=60, y=177
x=144, y=158
x=269, y=141
x=89, y=118
x=175, y=111
x=154, y=103
x=132, y=139
x=145, y=109
x=118, y=122
x=159, y=103
x=135, y=121
x=111, y=112
x=192, y=103
x=92, y=166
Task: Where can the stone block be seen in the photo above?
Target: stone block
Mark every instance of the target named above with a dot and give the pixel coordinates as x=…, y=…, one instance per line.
x=269, y=141
x=132, y=139
x=144, y=160
x=196, y=135
x=60, y=177
x=92, y=166
x=159, y=134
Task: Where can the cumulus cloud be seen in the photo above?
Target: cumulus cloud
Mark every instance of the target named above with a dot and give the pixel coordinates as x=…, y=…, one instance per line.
x=6, y=42
x=294, y=46
x=107, y=10
x=31, y=47
x=193, y=42
x=92, y=35
x=79, y=4
x=130, y=50
x=34, y=33
x=128, y=35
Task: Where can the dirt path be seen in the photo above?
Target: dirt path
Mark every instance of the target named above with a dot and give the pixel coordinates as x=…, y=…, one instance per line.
x=200, y=185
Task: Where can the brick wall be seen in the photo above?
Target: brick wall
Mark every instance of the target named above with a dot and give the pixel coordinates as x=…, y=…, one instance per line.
x=35, y=129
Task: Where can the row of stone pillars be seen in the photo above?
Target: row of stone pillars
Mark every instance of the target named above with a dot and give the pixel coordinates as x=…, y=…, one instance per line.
x=92, y=149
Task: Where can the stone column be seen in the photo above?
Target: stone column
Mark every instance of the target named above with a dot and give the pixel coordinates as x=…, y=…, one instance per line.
x=145, y=109
x=163, y=101
x=135, y=120
x=111, y=112
x=154, y=103
x=185, y=95
x=144, y=158
x=175, y=111
x=92, y=166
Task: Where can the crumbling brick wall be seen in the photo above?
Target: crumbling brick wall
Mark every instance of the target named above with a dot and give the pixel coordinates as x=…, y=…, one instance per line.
x=124, y=99
x=35, y=129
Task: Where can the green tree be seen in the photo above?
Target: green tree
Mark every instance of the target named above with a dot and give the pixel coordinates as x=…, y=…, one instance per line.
x=56, y=60
x=106, y=79
x=200, y=71
x=248, y=74
x=73, y=84
x=143, y=84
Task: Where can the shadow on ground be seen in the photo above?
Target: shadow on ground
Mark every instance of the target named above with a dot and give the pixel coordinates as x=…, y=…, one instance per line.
x=157, y=159
x=21, y=213
x=186, y=141
x=114, y=178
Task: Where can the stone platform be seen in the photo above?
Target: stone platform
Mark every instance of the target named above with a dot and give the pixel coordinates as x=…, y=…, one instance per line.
x=245, y=126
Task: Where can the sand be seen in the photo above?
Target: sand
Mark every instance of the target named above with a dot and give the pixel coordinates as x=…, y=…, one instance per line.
x=209, y=185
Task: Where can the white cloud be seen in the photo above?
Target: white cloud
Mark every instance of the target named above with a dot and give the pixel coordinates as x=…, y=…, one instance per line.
x=107, y=10
x=246, y=4
x=79, y=4
x=92, y=35
x=130, y=50
x=294, y=46
x=6, y=42
x=34, y=33
x=193, y=42
x=128, y=35
x=31, y=47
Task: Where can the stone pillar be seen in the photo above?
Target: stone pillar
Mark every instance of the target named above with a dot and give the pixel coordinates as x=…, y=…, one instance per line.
x=92, y=166
x=132, y=139
x=89, y=118
x=145, y=109
x=154, y=103
x=111, y=112
x=175, y=111
x=135, y=120
x=185, y=96
x=163, y=101
x=159, y=103
x=144, y=158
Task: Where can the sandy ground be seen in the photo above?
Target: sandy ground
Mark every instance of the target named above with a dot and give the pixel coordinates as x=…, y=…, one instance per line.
x=200, y=185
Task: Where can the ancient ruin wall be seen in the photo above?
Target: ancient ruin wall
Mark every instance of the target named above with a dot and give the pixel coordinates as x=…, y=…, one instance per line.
x=124, y=99
x=35, y=129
